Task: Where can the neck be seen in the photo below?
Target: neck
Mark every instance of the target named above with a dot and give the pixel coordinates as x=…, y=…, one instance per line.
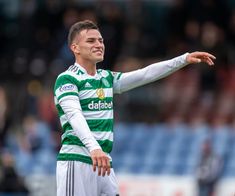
x=88, y=66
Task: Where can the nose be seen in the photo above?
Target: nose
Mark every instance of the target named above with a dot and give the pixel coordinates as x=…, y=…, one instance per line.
x=99, y=44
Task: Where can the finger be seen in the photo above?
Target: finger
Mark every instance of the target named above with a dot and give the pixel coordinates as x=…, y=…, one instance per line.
x=208, y=61
x=108, y=167
x=94, y=164
x=104, y=164
x=99, y=167
x=205, y=54
x=210, y=56
x=99, y=170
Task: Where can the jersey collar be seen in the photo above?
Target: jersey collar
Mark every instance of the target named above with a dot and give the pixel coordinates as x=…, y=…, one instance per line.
x=84, y=70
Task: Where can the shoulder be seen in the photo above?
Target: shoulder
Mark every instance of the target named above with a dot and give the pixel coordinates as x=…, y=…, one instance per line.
x=65, y=78
x=106, y=73
x=75, y=70
x=103, y=72
x=73, y=73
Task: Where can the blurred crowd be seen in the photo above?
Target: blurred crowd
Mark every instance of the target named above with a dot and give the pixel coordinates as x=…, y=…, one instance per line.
x=34, y=51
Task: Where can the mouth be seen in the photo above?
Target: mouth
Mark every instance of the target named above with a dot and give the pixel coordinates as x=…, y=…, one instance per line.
x=99, y=52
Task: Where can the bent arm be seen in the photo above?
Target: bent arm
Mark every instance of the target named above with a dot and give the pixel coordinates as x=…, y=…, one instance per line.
x=149, y=74
x=72, y=109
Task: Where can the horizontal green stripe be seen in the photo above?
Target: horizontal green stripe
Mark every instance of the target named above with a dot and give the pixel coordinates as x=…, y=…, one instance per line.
x=67, y=94
x=60, y=110
x=72, y=140
x=76, y=157
x=86, y=104
x=106, y=145
x=67, y=126
x=100, y=125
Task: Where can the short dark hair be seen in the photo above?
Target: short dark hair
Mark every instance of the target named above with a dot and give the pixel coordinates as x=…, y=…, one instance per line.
x=76, y=28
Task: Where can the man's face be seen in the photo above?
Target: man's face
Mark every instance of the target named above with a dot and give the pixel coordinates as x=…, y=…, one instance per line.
x=89, y=46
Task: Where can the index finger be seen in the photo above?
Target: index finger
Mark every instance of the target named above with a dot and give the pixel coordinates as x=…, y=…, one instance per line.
x=207, y=54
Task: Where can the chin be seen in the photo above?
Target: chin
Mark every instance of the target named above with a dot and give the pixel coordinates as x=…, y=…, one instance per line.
x=99, y=60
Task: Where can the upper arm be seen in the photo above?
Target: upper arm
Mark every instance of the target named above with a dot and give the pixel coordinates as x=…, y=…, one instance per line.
x=65, y=86
x=116, y=81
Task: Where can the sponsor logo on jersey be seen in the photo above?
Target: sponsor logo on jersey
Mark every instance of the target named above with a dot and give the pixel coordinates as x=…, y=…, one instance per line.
x=67, y=87
x=100, y=105
x=100, y=93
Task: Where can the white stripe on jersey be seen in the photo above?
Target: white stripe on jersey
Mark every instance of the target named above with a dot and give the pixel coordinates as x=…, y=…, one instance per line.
x=103, y=135
x=63, y=119
x=91, y=115
x=98, y=115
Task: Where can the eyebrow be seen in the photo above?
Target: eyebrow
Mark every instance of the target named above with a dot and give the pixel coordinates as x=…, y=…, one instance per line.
x=92, y=38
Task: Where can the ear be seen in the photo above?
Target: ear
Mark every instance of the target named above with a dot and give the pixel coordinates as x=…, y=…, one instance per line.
x=75, y=48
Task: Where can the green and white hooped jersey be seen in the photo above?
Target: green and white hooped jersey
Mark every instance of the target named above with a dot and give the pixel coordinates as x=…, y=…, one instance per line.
x=92, y=96
x=95, y=94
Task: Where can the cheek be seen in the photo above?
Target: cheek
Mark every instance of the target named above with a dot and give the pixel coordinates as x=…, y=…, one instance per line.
x=85, y=50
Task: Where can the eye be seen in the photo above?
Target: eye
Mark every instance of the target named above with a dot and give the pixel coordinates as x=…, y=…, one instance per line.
x=101, y=41
x=90, y=41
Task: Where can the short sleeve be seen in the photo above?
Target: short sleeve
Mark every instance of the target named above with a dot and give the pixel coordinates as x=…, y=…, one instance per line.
x=65, y=86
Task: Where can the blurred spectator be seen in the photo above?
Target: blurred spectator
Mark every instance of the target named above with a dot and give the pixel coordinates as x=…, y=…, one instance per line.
x=11, y=182
x=191, y=34
x=176, y=19
x=4, y=116
x=209, y=170
x=36, y=148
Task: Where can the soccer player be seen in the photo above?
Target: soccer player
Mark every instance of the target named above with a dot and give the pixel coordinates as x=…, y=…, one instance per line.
x=84, y=99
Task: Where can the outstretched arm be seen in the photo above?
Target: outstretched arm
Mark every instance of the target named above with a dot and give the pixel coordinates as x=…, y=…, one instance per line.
x=159, y=70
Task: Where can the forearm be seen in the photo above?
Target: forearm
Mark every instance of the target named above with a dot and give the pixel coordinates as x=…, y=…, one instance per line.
x=150, y=73
x=72, y=110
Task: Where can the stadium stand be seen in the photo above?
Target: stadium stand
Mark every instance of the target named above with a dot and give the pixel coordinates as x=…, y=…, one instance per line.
x=159, y=128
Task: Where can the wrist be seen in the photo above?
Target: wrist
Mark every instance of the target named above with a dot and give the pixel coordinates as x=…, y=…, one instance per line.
x=185, y=57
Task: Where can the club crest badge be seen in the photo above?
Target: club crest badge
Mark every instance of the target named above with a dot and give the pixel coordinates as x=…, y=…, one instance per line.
x=105, y=82
x=100, y=93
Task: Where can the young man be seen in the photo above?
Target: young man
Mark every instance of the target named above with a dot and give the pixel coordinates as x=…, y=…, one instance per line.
x=84, y=99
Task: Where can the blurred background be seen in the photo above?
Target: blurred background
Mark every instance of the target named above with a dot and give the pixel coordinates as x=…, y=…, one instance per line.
x=174, y=137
